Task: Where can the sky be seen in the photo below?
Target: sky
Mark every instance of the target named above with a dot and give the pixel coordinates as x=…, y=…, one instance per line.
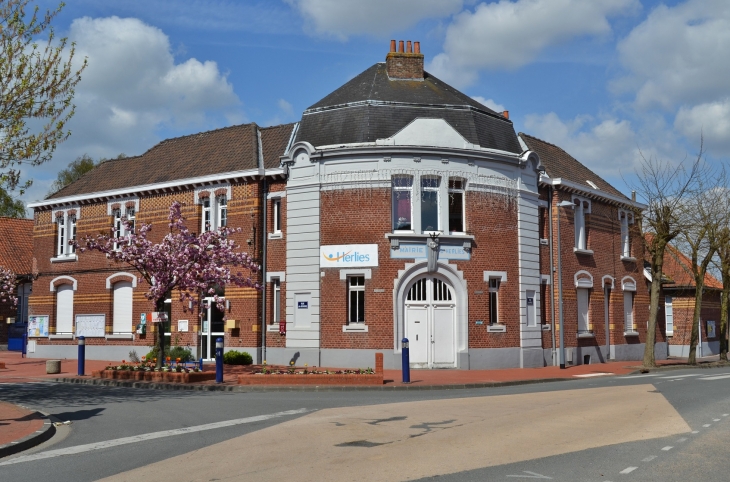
x=609, y=81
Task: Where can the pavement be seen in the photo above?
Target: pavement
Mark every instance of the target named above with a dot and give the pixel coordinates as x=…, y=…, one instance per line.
x=25, y=428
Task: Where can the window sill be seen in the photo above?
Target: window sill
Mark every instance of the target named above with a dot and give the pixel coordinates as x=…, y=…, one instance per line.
x=278, y=235
x=546, y=327
x=587, y=252
x=62, y=336
x=273, y=328
x=120, y=336
x=631, y=333
x=543, y=242
x=63, y=259
x=355, y=328
x=586, y=334
x=412, y=235
x=629, y=259
x=496, y=328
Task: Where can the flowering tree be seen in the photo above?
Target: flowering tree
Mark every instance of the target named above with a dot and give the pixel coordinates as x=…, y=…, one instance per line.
x=8, y=283
x=183, y=261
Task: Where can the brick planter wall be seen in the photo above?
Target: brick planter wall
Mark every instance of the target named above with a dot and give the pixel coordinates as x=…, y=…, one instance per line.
x=169, y=377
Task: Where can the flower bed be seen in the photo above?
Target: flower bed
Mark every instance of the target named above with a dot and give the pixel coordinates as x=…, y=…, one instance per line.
x=152, y=376
x=315, y=376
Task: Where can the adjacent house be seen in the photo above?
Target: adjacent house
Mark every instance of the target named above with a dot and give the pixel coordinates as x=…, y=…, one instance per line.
x=397, y=208
x=16, y=254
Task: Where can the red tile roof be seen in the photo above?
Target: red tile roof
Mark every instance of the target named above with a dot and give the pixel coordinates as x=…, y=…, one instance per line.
x=678, y=270
x=16, y=245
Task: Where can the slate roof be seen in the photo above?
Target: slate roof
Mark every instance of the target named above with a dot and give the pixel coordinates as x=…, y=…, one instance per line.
x=16, y=245
x=218, y=151
x=371, y=106
x=560, y=164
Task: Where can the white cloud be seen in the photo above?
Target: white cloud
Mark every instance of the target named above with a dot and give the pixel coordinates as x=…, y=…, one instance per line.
x=507, y=35
x=678, y=55
x=710, y=120
x=609, y=147
x=342, y=19
x=284, y=114
x=286, y=107
x=132, y=89
x=489, y=103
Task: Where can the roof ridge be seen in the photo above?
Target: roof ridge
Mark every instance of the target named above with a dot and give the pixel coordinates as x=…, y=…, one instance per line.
x=277, y=125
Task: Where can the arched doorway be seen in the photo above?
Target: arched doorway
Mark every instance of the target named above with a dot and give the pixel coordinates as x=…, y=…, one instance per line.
x=430, y=323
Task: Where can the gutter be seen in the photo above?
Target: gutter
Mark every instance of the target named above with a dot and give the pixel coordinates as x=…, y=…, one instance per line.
x=596, y=193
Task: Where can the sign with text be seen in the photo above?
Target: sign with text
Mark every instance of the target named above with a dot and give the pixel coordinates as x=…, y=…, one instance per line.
x=90, y=325
x=38, y=325
x=711, y=333
x=348, y=256
x=411, y=250
x=303, y=305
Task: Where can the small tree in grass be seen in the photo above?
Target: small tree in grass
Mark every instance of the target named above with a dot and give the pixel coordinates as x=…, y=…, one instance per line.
x=188, y=263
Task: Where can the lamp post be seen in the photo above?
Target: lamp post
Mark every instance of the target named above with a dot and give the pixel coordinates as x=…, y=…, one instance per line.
x=561, y=204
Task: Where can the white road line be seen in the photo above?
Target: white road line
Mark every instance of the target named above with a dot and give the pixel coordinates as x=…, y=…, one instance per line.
x=667, y=448
x=707, y=425
x=681, y=440
x=649, y=458
x=716, y=377
x=587, y=375
x=683, y=376
x=628, y=470
x=715, y=419
x=695, y=431
x=725, y=414
x=533, y=475
x=149, y=436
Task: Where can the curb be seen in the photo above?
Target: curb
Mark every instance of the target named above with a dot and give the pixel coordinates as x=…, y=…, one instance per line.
x=707, y=366
x=302, y=388
x=29, y=441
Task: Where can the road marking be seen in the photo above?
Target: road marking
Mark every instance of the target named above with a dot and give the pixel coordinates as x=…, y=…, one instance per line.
x=725, y=414
x=707, y=425
x=715, y=419
x=149, y=436
x=532, y=475
x=628, y=470
x=649, y=458
x=716, y=377
x=587, y=375
x=695, y=431
x=667, y=448
x=681, y=440
x=683, y=376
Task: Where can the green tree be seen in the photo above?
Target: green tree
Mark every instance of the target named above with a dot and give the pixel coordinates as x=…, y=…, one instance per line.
x=11, y=207
x=37, y=84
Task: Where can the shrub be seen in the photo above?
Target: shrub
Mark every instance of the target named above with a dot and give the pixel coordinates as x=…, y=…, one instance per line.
x=184, y=354
x=235, y=357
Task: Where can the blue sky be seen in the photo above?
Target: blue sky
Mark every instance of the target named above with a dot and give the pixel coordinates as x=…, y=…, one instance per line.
x=604, y=79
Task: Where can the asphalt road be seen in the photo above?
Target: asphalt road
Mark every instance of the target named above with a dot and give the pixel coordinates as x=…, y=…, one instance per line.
x=94, y=446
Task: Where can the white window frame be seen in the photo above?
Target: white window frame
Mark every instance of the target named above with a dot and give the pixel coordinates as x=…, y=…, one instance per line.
x=65, y=231
x=206, y=216
x=396, y=189
x=629, y=322
x=626, y=218
x=460, y=191
x=276, y=300
x=275, y=218
x=437, y=190
x=669, y=315
x=355, y=289
x=120, y=228
x=582, y=207
x=214, y=206
x=221, y=204
x=494, y=283
x=583, y=301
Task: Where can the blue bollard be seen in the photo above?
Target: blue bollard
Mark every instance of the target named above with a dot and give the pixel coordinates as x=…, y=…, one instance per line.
x=200, y=364
x=406, y=361
x=219, y=360
x=82, y=354
x=24, y=348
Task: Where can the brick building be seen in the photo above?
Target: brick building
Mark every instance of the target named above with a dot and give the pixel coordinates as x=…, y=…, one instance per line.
x=397, y=207
x=677, y=305
x=16, y=254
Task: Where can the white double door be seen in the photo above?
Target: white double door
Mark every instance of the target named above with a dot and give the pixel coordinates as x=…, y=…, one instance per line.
x=430, y=326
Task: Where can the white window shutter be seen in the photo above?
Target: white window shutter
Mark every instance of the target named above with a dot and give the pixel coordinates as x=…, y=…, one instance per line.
x=122, y=321
x=65, y=309
x=669, y=315
x=629, y=310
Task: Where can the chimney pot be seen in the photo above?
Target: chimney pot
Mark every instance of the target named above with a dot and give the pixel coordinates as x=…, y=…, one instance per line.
x=409, y=49
x=417, y=47
x=392, y=45
x=505, y=114
x=400, y=46
x=404, y=65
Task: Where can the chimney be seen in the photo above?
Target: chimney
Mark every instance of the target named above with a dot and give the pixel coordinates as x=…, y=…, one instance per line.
x=505, y=114
x=406, y=63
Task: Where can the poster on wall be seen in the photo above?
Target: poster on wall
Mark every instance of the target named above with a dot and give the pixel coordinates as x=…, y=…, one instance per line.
x=90, y=326
x=711, y=329
x=38, y=326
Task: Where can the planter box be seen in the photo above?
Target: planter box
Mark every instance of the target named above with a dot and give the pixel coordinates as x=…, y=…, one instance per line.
x=160, y=377
x=331, y=379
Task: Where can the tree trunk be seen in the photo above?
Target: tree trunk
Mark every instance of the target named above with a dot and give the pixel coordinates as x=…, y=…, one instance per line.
x=699, y=286
x=655, y=291
x=723, y=313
